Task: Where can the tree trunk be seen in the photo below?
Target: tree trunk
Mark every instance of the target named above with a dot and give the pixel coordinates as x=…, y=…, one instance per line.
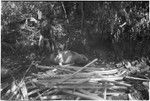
x=66, y=17
x=82, y=20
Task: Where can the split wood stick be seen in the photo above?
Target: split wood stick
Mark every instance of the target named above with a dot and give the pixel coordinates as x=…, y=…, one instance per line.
x=90, y=97
x=78, y=71
x=45, y=67
x=105, y=93
x=136, y=78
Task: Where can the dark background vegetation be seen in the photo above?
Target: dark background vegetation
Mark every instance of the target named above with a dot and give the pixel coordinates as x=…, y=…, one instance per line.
x=110, y=31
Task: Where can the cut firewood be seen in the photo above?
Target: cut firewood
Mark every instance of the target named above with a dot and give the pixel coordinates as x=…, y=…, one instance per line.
x=90, y=97
x=24, y=91
x=106, y=72
x=78, y=71
x=83, y=86
x=135, y=78
x=105, y=93
x=105, y=79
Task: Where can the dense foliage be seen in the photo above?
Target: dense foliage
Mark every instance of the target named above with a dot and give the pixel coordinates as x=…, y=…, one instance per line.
x=96, y=28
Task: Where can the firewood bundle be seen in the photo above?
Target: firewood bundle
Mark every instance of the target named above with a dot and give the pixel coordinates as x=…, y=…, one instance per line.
x=84, y=83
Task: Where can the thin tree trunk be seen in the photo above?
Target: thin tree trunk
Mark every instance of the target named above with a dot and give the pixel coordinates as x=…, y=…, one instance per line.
x=82, y=20
x=66, y=17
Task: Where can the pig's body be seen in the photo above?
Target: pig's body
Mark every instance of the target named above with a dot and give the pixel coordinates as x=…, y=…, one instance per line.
x=68, y=58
